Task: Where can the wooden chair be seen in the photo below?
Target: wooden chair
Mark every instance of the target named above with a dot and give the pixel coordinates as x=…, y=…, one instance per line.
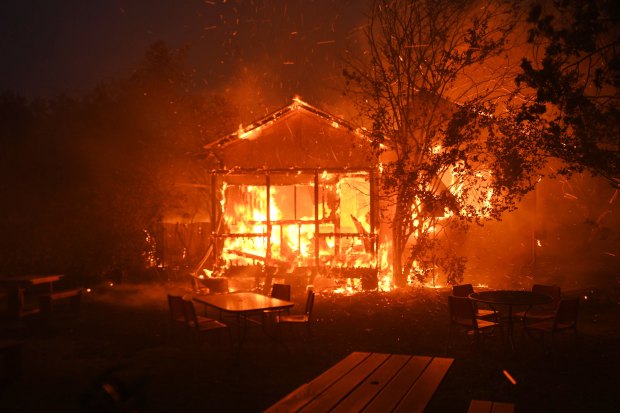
x=463, y=290
x=541, y=312
x=304, y=319
x=463, y=317
x=565, y=318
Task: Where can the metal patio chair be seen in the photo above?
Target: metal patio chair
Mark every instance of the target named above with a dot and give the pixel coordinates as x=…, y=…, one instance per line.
x=565, y=319
x=463, y=317
x=201, y=325
x=282, y=292
x=463, y=290
x=545, y=311
x=176, y=310
x=304, y=319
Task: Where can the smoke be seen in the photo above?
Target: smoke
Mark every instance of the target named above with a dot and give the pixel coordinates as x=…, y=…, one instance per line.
x=564, y=233
x=263, y=53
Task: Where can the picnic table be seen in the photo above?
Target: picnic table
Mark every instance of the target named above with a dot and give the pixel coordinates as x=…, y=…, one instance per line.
x=370, y=382
x=16, y=286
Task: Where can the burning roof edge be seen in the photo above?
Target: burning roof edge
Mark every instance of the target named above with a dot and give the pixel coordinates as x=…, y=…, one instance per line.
x=297, y=103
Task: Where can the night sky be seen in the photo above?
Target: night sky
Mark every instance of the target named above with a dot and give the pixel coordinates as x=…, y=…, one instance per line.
x=255, y=50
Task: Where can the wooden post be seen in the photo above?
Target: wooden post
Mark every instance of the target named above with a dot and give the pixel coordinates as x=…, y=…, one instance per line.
x=214, y=219
x=373, y=232
x=268, y=243
x=317, y=243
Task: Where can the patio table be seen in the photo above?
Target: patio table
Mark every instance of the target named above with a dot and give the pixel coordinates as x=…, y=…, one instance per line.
x=242, y=305
x=510, y=298
x=370, y=382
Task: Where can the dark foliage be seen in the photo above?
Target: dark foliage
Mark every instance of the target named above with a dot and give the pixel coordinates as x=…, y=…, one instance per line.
x=86, y=179
x=575, y=75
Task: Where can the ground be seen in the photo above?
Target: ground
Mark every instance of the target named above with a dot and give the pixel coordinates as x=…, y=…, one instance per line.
x=123, y=341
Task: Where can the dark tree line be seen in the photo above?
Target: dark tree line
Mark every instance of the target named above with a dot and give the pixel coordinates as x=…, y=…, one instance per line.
x=85, y=178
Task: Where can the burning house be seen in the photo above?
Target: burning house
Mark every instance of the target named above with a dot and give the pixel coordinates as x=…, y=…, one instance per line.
x=293, y=196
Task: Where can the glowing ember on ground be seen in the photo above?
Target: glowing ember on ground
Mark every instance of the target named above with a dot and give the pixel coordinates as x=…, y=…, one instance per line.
x=509, y=377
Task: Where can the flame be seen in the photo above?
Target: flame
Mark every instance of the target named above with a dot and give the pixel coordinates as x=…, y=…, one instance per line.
x=352, y=286
x=386, y=277
x=276, y=225
x=288, y=237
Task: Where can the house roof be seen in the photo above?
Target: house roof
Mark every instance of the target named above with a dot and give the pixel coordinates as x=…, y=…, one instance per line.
x=295, y=136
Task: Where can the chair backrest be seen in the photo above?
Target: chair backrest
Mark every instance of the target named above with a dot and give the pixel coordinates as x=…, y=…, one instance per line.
x=309, y=304
x=190, y=313
x=550, y=290
x=176, y=307
x=566, y=316
x=462, y=311
x=462, y=290
x=281, y=291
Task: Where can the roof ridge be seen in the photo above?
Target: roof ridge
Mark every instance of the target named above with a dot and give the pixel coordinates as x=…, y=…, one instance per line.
x=297, y=103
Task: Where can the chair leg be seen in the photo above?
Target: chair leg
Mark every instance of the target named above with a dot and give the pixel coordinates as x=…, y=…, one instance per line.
x=501, y=335
x=476, y=343
x=576, y=340
x=449, y=345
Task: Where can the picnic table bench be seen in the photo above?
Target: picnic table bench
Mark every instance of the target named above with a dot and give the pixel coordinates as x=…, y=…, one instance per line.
x=370, y=382
x=46, y=300
x=16, y=287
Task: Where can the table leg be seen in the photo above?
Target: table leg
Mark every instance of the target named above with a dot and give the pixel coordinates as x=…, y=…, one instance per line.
x=15, y=301
x=510, y=330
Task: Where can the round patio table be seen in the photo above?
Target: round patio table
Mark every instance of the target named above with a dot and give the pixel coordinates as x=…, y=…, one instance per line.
x=510, y=298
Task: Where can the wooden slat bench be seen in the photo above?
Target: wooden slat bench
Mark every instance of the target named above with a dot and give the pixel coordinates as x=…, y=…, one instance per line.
x=486, y=406
x=11, y=351
x=370, y=382
x=46, y=301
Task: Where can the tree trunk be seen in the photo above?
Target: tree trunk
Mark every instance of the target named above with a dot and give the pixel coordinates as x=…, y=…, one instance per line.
x=400, y=279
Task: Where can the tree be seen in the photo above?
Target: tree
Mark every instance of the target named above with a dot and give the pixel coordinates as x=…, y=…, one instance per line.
x=570, y=84
x=87, y=178
x=143, y=131
x=427, y=82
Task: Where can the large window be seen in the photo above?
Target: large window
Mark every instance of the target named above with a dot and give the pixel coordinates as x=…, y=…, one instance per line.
x=274, y=218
